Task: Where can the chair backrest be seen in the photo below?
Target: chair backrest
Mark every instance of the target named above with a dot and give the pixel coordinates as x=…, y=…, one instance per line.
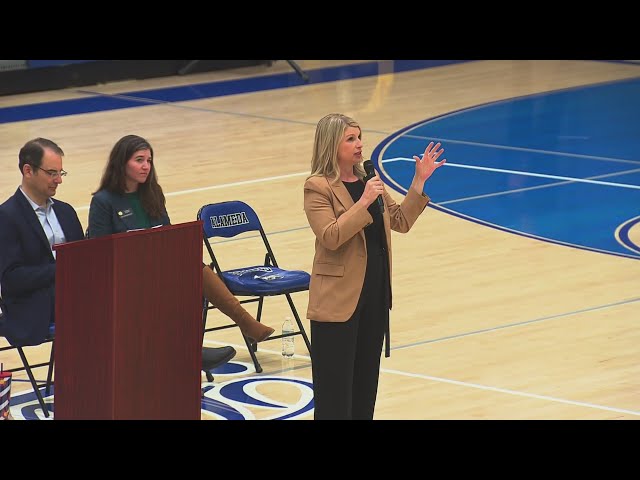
x=229, y=219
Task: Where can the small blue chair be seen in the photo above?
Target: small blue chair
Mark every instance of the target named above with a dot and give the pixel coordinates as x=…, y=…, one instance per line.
x=254, y=281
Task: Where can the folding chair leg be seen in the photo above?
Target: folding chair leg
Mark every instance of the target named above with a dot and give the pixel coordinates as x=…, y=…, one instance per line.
x=33, y=382
x=50, y=370
x=250, y=347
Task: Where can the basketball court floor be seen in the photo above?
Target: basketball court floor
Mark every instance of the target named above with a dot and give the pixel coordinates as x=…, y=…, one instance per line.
x=516, y=293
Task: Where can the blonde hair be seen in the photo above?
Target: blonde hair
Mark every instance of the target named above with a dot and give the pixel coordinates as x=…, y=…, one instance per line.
x=329, y=133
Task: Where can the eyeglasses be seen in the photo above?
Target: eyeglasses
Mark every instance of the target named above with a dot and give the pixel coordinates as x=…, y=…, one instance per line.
x=52, y=173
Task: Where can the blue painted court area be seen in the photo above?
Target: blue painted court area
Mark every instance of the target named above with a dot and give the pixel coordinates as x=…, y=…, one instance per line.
x=561, y=166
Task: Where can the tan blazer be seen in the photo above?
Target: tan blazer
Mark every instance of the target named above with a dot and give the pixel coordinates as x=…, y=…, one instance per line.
x=340, y=258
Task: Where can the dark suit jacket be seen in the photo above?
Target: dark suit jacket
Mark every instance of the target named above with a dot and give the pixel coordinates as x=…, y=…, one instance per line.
x=27, y=268
x=111, y=213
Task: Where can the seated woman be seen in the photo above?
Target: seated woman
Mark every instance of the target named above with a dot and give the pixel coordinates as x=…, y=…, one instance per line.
x=129, y=197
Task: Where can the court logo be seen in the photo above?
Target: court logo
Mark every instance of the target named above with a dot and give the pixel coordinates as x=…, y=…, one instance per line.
x=259, y=398
x=628, y=234
x=251, y=398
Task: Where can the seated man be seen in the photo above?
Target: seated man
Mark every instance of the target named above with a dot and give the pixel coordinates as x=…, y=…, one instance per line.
x=30, y=224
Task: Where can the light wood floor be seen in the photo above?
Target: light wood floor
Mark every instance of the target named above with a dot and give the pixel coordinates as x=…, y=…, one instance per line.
x=485, y=324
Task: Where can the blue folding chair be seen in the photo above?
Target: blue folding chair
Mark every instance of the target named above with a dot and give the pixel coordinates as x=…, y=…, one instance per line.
x=257, y=281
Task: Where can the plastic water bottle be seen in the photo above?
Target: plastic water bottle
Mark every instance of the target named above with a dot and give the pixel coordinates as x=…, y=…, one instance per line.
x=288, y=344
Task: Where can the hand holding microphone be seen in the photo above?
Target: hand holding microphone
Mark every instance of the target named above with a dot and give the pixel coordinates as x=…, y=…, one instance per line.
x=373, y=184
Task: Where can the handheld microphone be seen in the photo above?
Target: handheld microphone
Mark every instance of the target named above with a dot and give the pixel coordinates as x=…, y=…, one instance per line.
x=368, y=167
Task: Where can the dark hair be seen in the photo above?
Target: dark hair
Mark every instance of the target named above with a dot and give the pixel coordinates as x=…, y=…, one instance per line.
x=113, y=178
x=33, y=151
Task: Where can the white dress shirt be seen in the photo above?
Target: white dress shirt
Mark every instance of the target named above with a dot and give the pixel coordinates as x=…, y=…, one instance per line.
x=48, y=220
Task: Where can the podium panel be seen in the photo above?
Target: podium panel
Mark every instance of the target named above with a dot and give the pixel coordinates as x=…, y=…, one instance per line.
x=128, y=325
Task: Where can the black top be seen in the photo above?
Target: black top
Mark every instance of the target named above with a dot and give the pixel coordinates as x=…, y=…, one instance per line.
x=374, y=233
x=376, y=248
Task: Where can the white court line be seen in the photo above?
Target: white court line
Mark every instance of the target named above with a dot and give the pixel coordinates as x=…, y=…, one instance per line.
x=519, y=324
x=520, y=149
x=300, y=174
x=512, y=392
x=458, y=383
x=224, y=185
x=526, y=174
x=529, y=189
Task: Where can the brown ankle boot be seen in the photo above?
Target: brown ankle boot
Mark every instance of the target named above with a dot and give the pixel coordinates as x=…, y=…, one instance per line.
x=219, y=295
x=252, y=328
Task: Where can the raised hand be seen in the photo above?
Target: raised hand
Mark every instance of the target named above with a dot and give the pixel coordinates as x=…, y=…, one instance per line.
x=426, y=165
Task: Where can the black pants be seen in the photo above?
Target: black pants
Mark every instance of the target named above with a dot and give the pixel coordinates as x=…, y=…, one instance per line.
x=345, y=356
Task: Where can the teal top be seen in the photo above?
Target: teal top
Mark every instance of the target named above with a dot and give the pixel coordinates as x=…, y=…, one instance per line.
x=141, y=215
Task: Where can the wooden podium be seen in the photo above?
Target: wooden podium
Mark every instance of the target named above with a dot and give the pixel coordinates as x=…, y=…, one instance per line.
x=128, y=339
